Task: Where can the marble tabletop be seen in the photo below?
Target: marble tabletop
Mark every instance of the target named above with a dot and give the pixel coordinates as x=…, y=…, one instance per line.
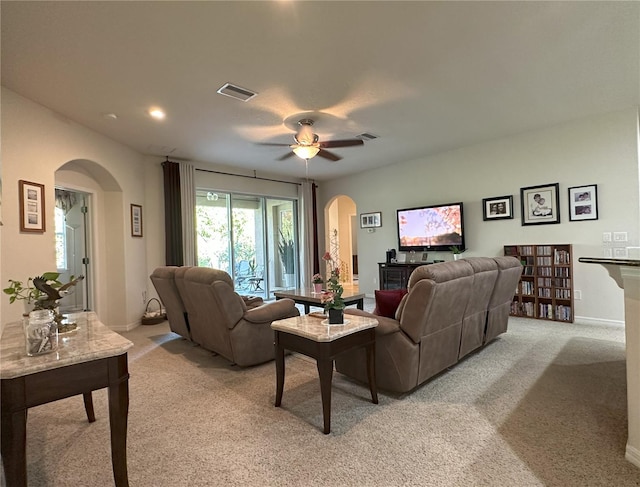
x=92, y=340
x=312, y=327
x=310, y=295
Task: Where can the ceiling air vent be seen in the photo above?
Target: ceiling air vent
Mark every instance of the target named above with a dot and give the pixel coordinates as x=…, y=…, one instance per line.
x=236, y=92
x=366, y=136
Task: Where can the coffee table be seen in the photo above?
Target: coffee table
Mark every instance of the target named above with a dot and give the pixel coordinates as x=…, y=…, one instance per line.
x=308, y=298
x=309, y=336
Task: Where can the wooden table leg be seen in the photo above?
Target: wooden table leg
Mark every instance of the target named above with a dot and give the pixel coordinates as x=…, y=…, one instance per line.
x=14, y=444
x=279, y=370
x=371, y=371
x=88, y=406
x=325, y=371
x=118, y=412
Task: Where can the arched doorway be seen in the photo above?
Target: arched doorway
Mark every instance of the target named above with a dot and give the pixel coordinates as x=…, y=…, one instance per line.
x=106, y=279
x=341, y=236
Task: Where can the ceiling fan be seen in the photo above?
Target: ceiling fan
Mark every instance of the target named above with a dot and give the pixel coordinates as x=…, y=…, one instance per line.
x=308, y=146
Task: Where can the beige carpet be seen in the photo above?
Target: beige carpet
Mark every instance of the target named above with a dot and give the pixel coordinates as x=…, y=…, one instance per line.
x=544, y=405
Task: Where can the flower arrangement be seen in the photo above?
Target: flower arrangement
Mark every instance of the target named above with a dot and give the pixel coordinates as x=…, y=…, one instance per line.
x=332, y=297
x=317, y=279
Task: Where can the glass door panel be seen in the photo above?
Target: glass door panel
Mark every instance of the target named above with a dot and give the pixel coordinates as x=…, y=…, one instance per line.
x=212, y=230
x=252, y=238
x=248, y=243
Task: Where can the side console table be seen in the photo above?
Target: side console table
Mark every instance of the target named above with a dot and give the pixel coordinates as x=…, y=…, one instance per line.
x=88, y=358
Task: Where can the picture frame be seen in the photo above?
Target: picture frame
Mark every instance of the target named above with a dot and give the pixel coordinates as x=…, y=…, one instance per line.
x=497, y=208
x=371, y=220
x=136, y=220
x=32, y=209
x=540, y=204
x=583, y=202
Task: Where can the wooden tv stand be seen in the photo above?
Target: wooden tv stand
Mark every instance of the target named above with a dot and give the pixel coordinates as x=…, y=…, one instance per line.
x=396, y=275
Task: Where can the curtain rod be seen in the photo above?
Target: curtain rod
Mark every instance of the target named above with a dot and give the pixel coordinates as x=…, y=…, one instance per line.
x=245, y=176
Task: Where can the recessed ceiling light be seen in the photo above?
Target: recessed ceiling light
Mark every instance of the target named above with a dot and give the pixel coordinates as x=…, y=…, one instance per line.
x=110, y=116
x=157, y=113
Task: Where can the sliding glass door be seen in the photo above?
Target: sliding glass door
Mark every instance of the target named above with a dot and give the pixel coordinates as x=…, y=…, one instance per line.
x=252, y=238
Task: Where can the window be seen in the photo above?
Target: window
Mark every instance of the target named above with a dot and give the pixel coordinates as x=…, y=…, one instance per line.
x=61, y=239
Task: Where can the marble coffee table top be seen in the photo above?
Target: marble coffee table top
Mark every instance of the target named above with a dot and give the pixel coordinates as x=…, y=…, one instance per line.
x=90, y=341
x=314, y=328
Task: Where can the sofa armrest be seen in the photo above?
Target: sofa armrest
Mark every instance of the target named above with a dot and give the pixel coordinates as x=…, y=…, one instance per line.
x=274, y=310
x=386, y=326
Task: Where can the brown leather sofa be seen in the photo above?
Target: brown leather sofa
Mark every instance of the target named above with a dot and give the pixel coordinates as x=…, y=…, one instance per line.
x=218, y=318
x=443, y=317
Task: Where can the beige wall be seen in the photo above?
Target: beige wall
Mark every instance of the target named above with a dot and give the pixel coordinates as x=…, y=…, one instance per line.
x=601, y=149
x=36, y=142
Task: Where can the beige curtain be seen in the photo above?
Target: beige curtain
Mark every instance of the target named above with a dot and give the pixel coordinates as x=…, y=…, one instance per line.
x=188, y=206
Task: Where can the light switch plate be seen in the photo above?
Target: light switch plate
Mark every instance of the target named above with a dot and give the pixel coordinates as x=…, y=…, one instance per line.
x=620, y=236
x=607, y=253
x=606, y=236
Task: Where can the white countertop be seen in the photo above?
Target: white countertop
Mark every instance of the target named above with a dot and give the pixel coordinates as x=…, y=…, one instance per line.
x=92, y=340
x=311, y=327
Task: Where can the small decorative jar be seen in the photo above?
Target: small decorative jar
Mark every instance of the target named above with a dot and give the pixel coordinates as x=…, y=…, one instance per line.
x=41, y=332
x=317, y=287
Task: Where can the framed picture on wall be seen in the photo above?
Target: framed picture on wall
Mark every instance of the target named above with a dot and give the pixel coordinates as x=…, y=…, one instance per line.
x=32, y=217
x=540, y=204
x=136, y=221
x=371, y=220
x=583, y=203
x=498, y=208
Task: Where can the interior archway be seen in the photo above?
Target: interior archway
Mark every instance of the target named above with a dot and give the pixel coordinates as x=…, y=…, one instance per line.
x=341, y=236
x=106, y=234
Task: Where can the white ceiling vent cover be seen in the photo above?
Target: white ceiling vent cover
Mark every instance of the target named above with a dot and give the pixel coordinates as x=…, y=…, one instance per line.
x=236, y=92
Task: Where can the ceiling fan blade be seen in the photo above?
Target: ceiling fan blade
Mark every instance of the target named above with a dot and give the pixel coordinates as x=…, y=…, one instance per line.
x=273, y=144
x=286, y=156
x=328, y=155
x=341, y=143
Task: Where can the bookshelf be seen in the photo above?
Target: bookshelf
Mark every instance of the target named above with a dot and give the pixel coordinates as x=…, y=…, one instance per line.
x=545, y=290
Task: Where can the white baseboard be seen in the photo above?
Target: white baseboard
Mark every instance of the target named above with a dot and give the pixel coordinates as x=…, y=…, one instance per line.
x=126, y=327
x=597, y=321
x=633, y=455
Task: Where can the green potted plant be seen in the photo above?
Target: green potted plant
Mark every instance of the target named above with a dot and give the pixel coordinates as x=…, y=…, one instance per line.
x=287, y=251
x=317, y=283
x=455, y=251
x=42, y=292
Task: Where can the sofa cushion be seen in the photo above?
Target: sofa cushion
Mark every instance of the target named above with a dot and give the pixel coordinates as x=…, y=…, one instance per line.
x=387, y=302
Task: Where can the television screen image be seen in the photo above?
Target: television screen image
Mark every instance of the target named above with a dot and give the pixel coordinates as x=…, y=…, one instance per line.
x=436, y=227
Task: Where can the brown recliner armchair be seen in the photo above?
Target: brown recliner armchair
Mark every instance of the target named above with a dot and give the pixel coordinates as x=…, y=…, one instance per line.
x=424, y=339
x=163, y=279
x=451, y=309
x=220, y=320
x=509, y=271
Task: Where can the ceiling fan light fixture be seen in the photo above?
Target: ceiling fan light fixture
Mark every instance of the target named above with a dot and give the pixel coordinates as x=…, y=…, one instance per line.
x=306, y=151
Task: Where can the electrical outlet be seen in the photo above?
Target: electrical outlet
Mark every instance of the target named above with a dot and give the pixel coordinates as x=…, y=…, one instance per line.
x=620, y=236
x=606, y=236
x=144, y=297
x=620, y=253
x=577, y=295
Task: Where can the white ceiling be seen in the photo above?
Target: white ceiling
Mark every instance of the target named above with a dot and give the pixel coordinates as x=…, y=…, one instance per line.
x=425, y=77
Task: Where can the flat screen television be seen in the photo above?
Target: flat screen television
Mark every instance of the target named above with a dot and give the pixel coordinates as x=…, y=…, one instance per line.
x=434, y=227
